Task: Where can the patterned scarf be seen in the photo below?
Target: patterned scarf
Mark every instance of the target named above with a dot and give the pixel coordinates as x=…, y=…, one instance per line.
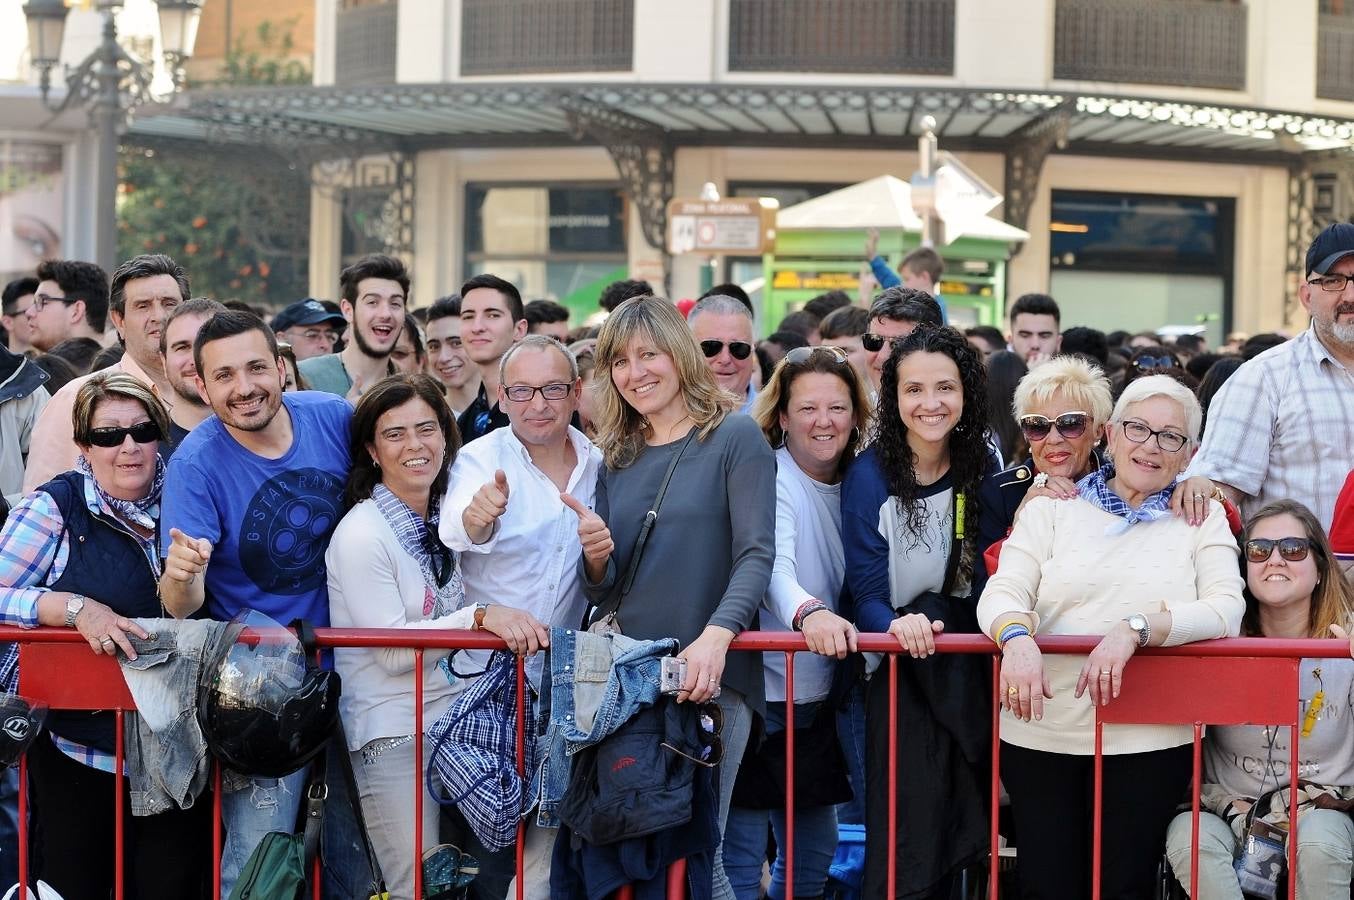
x=1095, y=489
x=419, y=539
x=143, y=513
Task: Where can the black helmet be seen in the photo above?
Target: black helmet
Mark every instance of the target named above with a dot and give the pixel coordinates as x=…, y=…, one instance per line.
x=263, y=708
x=20, y=722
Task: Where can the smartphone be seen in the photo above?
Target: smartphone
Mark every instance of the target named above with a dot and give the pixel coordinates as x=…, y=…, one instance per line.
x=672, y=675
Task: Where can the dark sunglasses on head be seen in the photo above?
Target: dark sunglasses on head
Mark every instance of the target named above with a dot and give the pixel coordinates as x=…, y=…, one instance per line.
x=1293, y=549
x=1156, y=362
x=875, y=342
x=737, y=349
x=712, y=747
x=1070, y=425
x=800, y=355
x=141, y=432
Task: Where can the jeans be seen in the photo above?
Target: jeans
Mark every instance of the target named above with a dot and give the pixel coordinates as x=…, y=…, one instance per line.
x=1325, y=855
x=815, y=834
x=258, y=806
x=734, y=736
x=851, y=733
x=384, y=771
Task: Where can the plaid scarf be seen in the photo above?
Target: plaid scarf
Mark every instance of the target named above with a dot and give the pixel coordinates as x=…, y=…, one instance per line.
x=1094, y=488
x=419, y=539
x=143, y=513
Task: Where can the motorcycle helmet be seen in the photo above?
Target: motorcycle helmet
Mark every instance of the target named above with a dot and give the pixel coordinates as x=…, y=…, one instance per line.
x=20, y=722
x=264, y=708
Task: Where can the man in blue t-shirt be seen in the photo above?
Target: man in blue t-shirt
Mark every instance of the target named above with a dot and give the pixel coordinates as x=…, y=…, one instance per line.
x=251, y=498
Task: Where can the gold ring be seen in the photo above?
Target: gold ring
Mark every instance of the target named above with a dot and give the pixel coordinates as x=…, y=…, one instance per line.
x=1198, y=496
x=1012, y=690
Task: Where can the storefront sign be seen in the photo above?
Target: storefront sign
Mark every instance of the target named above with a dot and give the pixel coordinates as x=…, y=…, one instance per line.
x=745, y=225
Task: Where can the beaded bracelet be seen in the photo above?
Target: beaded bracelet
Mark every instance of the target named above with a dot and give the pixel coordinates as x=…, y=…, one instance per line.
x=1010, y=632
x=809, y=606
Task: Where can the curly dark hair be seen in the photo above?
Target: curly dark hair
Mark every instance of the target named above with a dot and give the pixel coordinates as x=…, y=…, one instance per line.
x=970, y=456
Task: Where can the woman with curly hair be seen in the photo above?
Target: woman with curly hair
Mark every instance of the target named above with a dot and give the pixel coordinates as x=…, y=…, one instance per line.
x=909, y=514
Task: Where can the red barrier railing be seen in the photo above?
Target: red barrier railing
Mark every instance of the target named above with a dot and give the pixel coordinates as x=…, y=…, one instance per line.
x=57, y=667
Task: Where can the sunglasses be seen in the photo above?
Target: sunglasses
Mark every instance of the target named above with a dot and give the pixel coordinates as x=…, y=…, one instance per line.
x=712, y=747
x=800, y=355
x=1156, y=362
x=141, y=432
x=1070, y=425
x=443, y=563
x=737, y=349
x=875, y=342
x=1293, y=549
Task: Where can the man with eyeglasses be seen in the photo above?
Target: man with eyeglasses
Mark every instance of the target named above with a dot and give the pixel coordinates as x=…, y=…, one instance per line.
x=722, y=326
x=519, y=514
x=894, y=315
x=71, y=301
x=1282, y=425
x=311, y=329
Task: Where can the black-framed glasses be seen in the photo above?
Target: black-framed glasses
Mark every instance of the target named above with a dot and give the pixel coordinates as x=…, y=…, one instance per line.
x=524, y=393
x=1156, y=362
x=1070, y=425
x=711, y=744
x=1293, y=549
x=141, y=432
x=1333, y=283
x=41, y=300
x=875, y=342
x=800, y=355
x=1139, y=432
x=737, y=349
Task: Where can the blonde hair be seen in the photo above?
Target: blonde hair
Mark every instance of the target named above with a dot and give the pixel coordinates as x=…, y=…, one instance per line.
x=620, y=428
x=104, y=385
x=1077, y=381
x=774, y=399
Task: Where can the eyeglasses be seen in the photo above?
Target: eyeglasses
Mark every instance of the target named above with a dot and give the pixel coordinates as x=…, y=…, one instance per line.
x=1293, y=549
x=1156, y=362
x=1333, y=283
x=737, y=349
x=41, y=300
x=141, y=432
x=1070, y=425
x=875, y=342
x=1138, y=433
x=524, y=393
x=800, y=355
x=315, y=334
x=712, y=747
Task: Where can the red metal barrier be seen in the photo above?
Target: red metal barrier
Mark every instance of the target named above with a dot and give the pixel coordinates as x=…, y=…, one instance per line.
x=57, y=667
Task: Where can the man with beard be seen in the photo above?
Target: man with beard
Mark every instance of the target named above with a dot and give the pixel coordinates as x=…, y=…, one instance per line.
x=446, y=354
x=250, y=502
x=142, y=293
x=176, y=354
x=374, y=291
x=1281, y=425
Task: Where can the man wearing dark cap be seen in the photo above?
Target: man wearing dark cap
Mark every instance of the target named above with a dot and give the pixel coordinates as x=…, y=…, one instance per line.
x=311, y=329
x=1281, y=427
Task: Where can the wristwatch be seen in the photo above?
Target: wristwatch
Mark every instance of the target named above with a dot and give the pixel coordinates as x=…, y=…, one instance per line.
x=74, y=604
x=480, y=610
x=1139, y=623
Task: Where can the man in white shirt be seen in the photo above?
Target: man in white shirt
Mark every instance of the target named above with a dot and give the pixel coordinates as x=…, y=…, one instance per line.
x=519, y=498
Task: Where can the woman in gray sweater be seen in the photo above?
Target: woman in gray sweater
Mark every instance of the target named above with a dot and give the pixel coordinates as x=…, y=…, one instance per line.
x=706, y=564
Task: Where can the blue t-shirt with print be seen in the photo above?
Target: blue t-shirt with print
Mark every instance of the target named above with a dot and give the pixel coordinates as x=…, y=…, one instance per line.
x=269, y=520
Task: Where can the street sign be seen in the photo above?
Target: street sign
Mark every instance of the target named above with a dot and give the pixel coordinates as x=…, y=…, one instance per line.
x=954, y=194
x=742, y=225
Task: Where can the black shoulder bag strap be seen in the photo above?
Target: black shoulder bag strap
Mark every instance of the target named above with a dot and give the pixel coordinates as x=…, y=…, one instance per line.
x=623, y=586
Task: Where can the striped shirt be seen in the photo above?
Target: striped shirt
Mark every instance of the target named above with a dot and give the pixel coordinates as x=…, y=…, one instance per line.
x=1282, y=427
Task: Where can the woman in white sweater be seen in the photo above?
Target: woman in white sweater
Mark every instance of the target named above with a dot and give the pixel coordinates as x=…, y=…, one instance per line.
x=1112, y=562
x=388, y=569
x=813, y=410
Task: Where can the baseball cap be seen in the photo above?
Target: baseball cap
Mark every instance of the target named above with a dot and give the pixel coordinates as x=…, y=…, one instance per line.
x=306, y=312
x=1334, y=243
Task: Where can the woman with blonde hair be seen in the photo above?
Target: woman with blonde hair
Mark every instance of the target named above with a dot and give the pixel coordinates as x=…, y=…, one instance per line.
x=671, y=444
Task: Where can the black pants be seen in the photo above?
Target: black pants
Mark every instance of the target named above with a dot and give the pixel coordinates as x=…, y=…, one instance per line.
x=1052, y=802
x=497, y=868
x=72, y=838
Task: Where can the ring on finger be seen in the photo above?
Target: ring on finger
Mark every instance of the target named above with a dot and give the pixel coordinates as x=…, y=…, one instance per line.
x=1013, y=690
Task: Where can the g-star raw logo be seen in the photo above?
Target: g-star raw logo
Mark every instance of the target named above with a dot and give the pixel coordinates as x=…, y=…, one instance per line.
x=17, y=727
x=624, y=762
x=286, y=530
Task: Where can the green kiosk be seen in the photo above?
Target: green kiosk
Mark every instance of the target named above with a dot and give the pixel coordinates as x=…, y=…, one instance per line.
x=820, y=247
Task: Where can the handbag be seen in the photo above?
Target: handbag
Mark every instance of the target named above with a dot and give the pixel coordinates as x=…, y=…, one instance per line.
x=1260, y=861
x=609, y=621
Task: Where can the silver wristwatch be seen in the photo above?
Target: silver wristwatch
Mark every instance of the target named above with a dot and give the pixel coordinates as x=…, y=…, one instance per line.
x=1139, y=623
x=74, y=604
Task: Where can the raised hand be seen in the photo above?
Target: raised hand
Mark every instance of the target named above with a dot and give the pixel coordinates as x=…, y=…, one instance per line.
x=489, y=503
x=187, y=558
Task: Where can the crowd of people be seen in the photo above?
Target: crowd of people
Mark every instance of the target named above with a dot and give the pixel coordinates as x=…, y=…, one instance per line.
x=664, y=476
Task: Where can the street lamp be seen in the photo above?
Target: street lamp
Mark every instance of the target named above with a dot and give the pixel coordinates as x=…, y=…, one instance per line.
x=110, y=84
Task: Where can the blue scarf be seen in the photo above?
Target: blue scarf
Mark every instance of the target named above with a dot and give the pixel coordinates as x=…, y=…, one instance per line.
x=1094, y=488
x=143, y=513
x=414, y=536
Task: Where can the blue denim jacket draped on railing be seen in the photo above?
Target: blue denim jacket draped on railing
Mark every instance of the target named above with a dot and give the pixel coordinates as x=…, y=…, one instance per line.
x=591, y=685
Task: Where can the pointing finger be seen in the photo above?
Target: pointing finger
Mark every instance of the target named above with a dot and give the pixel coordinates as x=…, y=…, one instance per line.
x=571, y=502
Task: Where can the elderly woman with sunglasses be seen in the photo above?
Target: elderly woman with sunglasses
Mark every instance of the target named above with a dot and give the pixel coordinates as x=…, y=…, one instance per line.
x=388, y=569
x=81, y=551
x=1294, y=589
x=813, y=410
x=1061, y=408
x=1112, y=562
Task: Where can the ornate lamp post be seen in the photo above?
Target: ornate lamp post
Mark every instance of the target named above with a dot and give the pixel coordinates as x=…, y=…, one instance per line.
x=109, y=83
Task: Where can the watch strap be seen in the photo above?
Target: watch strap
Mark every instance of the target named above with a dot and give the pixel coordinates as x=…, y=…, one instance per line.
x=480, y=610
x=74, y=604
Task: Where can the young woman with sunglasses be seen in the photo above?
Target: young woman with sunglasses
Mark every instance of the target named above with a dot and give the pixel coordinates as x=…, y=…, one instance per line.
x=909, y=513
x=387, y=568
x=706, y=564
x=1114, y=561
x=1294, y=589
x=813, y=410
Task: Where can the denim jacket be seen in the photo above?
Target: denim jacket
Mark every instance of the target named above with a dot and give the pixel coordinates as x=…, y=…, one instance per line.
x=591, y=685
x=167, y=761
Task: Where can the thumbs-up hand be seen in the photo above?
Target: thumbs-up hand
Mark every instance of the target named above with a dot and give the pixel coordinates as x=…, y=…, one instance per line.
x=592, y=532
x=489, y=503
x=188, y=556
